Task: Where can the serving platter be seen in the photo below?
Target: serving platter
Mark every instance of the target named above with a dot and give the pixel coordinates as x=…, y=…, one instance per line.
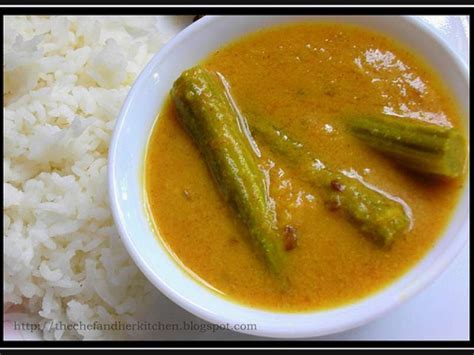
x=423, y=317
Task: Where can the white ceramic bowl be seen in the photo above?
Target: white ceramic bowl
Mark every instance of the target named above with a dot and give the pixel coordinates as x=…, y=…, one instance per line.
x=126, y=158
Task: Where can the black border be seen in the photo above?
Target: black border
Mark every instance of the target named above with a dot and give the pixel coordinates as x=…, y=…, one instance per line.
x=233, y=10
x=239, y=2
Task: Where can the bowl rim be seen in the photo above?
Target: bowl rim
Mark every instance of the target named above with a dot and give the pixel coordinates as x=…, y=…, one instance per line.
x=422, y=281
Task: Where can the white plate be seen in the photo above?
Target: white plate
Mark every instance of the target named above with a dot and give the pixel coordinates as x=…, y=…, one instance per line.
x=423, y=317
x=126, y=159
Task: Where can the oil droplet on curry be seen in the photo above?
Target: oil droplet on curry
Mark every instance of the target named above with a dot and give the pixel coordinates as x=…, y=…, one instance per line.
x=304, y=78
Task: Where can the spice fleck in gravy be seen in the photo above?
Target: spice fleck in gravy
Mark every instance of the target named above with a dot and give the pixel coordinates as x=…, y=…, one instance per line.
x=304, y=78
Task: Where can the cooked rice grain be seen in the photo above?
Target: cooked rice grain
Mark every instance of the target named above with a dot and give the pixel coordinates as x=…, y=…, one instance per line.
x=65, y=79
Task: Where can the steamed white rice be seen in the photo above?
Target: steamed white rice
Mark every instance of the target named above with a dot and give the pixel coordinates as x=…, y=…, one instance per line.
x=65, y=79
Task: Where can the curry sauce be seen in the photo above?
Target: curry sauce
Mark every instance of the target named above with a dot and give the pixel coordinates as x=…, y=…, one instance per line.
x=305, y=78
